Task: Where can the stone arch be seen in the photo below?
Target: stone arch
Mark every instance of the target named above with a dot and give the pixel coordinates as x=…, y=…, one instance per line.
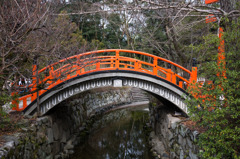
x=115, y=78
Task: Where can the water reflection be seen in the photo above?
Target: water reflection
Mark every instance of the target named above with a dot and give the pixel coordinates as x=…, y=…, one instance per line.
x=120, y=138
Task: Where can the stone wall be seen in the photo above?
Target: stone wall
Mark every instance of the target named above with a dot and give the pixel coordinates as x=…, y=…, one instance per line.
x=170, y=138
x=56, y=134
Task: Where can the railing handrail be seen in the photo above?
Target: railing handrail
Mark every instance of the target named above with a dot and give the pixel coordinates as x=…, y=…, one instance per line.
x=115, y=61
x=114, y=50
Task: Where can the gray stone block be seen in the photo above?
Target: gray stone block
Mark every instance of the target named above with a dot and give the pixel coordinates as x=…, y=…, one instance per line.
x=49, y=157
x=55, y=131
x=180, y=139
x=176, y=149
x=173, y=155
x=191, y=155
x=189, y=142
x=181, y=154
x=195, y=135
x=64, y=137
x=48, y=149
x=170, y=135
x=57, y=156
x=71, y=152
x=44, y=119
x=50, y=135
x=183, y=130
x=56, y=147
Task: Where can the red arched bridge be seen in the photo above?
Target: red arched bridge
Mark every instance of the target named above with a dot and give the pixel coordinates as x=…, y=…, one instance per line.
x=104, y=68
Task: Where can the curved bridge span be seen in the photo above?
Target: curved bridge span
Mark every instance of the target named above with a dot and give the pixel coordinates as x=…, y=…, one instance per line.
x=105, y=68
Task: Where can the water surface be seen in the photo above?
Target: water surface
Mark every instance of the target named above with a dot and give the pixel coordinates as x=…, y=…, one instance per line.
x=118, y=135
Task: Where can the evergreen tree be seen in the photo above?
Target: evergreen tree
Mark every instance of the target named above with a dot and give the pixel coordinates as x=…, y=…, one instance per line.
x=217, y=106
x=113, y=36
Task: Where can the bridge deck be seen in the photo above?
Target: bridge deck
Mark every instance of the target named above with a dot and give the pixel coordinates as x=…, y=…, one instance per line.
x=104, y=60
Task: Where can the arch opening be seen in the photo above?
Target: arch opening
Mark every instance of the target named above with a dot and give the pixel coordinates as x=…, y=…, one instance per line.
x=154, y=85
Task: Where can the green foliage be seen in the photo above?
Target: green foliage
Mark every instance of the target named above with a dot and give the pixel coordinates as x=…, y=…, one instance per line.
x=220, y=118
x=96, y=45
x=113, y=37
x=70, y=37
x=5, y=122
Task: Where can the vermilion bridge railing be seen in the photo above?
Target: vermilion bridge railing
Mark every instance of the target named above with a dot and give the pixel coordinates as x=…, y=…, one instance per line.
x=104, y=60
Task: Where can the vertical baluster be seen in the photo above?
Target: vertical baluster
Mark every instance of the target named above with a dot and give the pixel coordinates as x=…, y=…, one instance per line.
x=155, y=66
x=68, y=76
x=34, y=81
x=117, y=60
x=82, y=70
x=78, y=65
x=78, y=72
x=193, y=78
x=181, y=84
x=111, y=62
x=24, y=103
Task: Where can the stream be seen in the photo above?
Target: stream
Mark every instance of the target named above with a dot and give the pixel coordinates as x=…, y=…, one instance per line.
x=117, y=135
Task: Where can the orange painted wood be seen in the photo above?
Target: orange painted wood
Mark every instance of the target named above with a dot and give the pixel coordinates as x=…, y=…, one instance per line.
x=34, y=80
x=221, y=52
x=180, y=84
x=117, y=60
x=211, y=18
x=193, y=78
x=169, y=75
x=62, y=71
x=211, y=1
x=155, y=66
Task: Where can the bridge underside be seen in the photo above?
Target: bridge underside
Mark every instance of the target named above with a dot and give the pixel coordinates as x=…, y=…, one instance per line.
x=116, y=78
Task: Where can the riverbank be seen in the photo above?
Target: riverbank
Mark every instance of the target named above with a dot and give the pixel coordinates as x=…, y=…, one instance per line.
x=56, y=134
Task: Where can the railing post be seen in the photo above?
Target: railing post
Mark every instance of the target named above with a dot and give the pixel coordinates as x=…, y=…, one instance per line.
x=78, y=72
x=24, y=103
x=169, y=75
x=34, y=81
x=68, y=76
x=52, y=72
x=111, y=65
x=181, y=84
x=193, y=78
x=155, y=63
x=221, y=54
x=59, y=81
x=117, y=60
x=82, y=70
x=51, y=75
